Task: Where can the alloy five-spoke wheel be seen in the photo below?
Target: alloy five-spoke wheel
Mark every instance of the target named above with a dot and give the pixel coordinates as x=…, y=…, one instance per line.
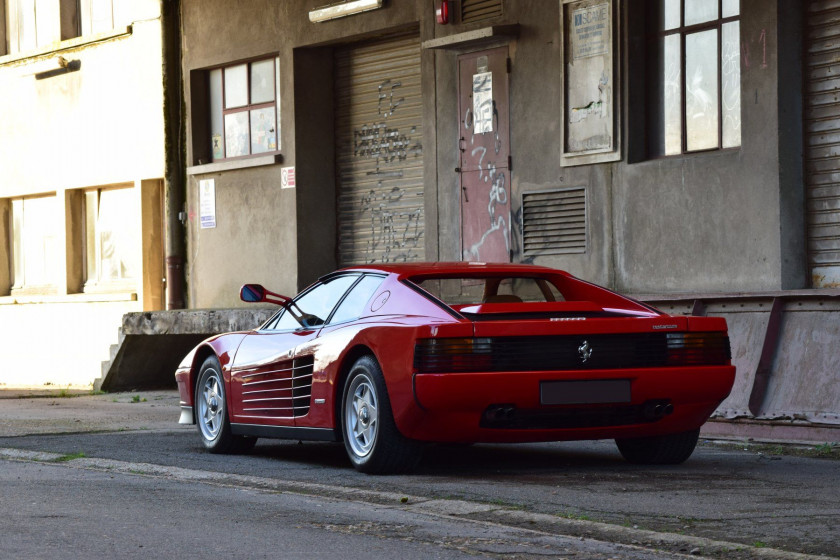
x=212, y=413
x=211, y=405
x=371, y=438
x=361, y=415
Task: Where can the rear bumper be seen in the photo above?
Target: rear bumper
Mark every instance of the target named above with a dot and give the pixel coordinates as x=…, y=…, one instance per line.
x=456, y=406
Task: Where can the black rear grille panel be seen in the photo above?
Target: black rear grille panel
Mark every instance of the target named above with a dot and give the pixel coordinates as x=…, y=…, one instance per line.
x=548, y=353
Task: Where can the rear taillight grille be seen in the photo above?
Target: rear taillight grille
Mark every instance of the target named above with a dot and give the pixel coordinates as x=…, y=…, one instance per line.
x=576, y=352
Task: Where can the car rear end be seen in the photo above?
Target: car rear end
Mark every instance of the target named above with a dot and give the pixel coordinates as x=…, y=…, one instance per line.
x=569, y=370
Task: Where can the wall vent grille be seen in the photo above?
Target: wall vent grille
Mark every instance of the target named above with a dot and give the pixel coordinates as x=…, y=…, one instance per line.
x=554, y=222
x=478, y=10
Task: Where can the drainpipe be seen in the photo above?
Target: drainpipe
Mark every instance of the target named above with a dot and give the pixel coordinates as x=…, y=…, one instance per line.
x=173, y=175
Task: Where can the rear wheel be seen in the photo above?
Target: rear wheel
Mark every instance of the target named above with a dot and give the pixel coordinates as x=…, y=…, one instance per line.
x=371, y=438
x=672, y=449
x=211, y=410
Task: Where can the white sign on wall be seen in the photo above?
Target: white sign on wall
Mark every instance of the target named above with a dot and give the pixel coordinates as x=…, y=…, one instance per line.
x=207, y=202
x=287, y=177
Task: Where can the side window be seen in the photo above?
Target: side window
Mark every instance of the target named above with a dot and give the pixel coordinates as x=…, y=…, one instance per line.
x=354, y=304
x=320, y=301
x=285, y=322
x=316, y=304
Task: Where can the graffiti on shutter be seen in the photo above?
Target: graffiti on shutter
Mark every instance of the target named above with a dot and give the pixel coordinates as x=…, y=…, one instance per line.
x=379, y=163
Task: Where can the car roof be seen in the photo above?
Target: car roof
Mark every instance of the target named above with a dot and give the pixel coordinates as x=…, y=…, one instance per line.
x=452, y=268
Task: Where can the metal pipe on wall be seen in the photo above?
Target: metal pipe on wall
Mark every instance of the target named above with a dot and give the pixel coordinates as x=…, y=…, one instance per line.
x=174, y=146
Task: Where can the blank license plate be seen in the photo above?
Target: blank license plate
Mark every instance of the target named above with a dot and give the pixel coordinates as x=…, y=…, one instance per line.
x=585, y=392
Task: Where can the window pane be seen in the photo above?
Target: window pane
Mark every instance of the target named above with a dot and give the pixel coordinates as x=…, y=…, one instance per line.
x=217, y=143
x=118, y=235
x=91, y=251
x=236, y=134
x=671, y=95
x=700, y=11
x=731, y=8
x=355, y=304
x=236, y=86
x=47, y=22
x=286, y=322
x=701, y=90
x=319, y=301
x=731, y=87
x=262, y=81
x=101, y=16
x=17, y=242
x=263, y=132
x=40, y=243
x=672, y=14
x=27, y=39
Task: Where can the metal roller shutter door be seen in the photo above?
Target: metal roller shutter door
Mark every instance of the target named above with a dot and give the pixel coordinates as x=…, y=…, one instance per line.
x=379, y=153
x=822, y=141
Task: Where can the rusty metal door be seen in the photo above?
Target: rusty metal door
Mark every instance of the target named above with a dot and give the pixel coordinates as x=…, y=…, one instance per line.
x=379, y=152
x=822, y=142
x=484, y=144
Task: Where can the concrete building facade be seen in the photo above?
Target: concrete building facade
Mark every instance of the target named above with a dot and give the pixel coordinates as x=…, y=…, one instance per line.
x=82, y=157
x=679, y=151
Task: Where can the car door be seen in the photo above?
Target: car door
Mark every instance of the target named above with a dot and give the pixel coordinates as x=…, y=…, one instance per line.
x=271, y=375
x=333, y=339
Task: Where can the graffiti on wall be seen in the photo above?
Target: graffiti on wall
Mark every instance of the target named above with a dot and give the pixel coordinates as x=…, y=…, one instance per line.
x=395, y=222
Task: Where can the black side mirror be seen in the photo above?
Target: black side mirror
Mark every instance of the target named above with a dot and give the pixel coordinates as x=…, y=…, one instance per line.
x=255, y=293
x=252, y=293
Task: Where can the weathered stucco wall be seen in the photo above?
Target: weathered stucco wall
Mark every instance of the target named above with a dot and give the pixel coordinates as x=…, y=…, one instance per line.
x=59, y=343
x=283, y=238
x=99, y=125
x=713, y=222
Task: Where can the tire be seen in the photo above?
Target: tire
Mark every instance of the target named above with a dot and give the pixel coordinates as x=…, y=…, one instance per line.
x=371, y=438
x=211, y=412
x=672, y=449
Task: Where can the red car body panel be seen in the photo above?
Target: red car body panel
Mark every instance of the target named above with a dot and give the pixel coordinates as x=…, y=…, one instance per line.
x=449, y=406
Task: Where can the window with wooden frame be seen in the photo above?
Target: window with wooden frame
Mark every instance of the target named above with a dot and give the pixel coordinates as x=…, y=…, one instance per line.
x=32, y=24
x=112, y=239
x=695, y=95
x=35, y=245
x=244, y=109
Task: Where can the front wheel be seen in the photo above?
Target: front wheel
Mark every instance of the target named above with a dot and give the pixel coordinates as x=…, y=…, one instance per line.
x=371, y=438
x=211, y=409
x=672, y=449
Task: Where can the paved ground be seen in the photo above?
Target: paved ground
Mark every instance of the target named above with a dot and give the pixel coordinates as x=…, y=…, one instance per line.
x=757, y=500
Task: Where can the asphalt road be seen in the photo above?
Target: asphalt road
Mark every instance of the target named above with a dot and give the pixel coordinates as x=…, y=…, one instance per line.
x=486, y=494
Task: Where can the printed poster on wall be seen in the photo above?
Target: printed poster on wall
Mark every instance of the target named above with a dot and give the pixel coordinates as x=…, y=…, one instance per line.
x=589, y=82
x=207, y=202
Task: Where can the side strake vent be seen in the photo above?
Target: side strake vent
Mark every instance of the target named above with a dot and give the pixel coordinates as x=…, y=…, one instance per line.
x=572, y=352
x=554, y=222
x=285, y=391
x=478, y=10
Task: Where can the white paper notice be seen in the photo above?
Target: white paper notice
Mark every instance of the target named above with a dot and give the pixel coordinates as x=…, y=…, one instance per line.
x=207, y=202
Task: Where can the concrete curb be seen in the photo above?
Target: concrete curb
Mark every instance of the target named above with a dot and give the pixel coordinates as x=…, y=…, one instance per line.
x=476, y=512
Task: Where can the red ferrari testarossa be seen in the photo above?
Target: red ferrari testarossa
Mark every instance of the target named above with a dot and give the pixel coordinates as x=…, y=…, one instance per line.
x=387, y=357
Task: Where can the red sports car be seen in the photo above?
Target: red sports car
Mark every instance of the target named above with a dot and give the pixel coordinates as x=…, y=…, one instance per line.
x=387, y=357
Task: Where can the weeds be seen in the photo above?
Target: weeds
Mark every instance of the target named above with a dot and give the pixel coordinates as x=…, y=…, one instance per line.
x=69, y=457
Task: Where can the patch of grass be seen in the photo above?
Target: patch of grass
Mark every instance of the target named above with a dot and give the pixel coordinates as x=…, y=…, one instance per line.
x=69, y=457
x=760, y=544
x=137, y=399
